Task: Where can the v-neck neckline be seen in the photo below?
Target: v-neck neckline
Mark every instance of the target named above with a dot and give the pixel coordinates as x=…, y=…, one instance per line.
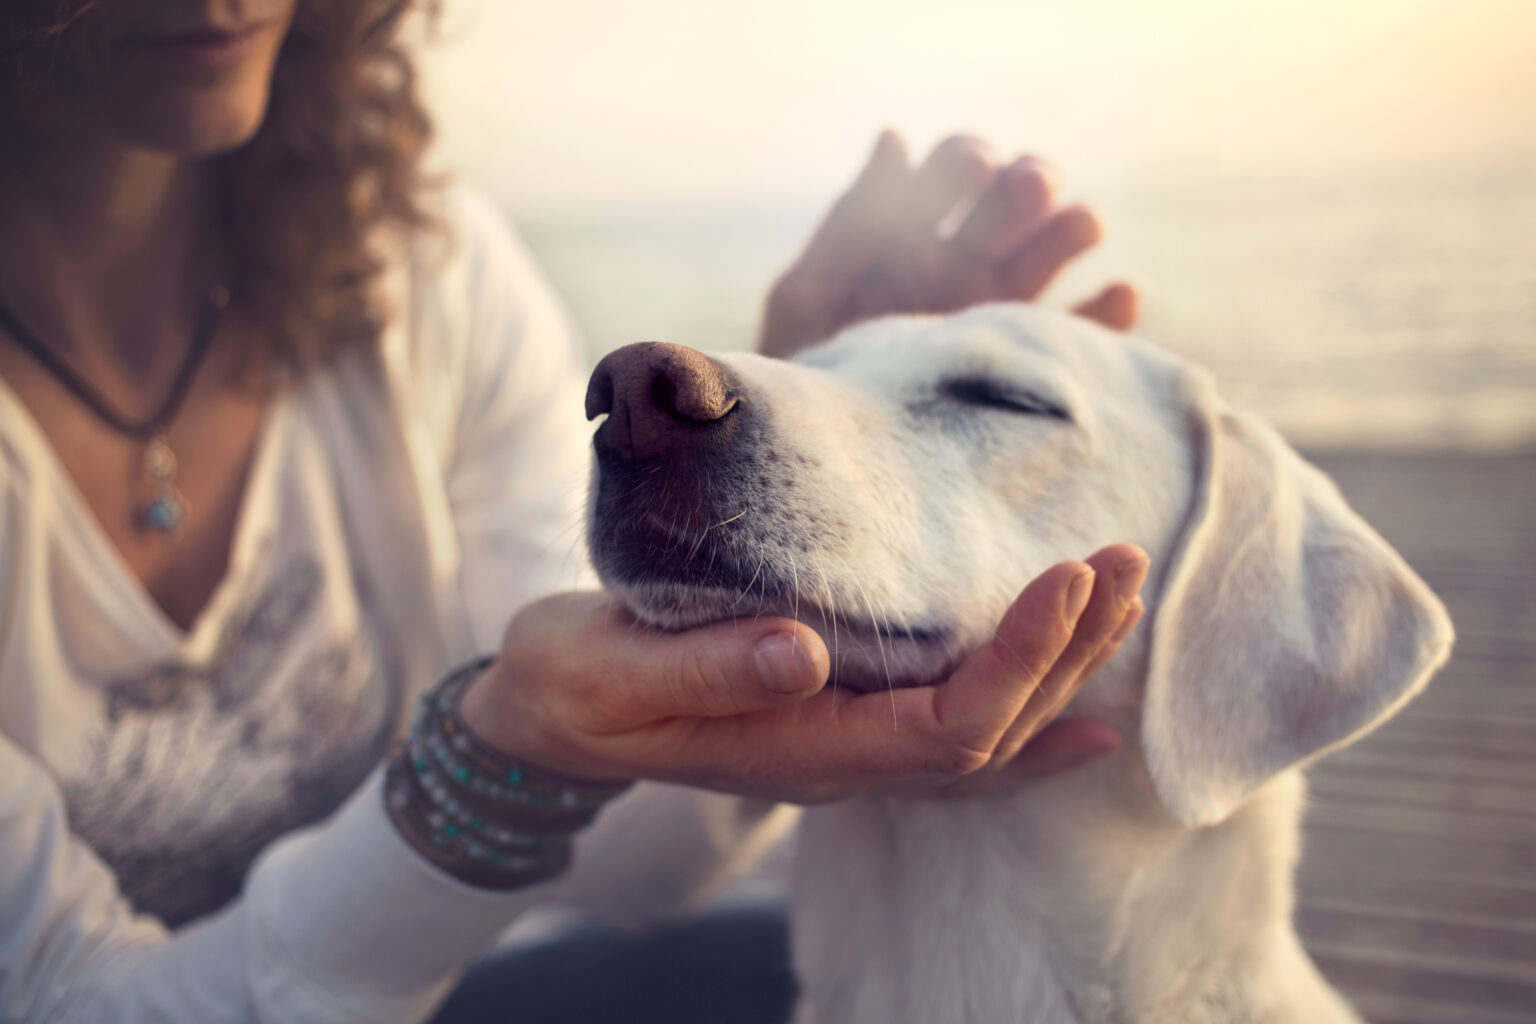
x=199, y=637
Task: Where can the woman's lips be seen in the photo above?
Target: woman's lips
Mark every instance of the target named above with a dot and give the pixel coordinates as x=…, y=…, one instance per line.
x=209, y=49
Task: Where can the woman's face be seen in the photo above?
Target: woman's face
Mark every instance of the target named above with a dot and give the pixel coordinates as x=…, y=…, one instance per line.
x=185, y=77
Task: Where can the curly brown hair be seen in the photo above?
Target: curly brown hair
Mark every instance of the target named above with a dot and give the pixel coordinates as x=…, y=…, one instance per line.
x=335, y=163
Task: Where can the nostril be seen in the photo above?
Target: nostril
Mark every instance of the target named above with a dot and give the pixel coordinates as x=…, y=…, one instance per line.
x=685, y=393
x=599, y=393
x=664, y=395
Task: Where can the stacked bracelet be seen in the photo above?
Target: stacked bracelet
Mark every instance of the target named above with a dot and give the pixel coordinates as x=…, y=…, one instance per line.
x=486, y=818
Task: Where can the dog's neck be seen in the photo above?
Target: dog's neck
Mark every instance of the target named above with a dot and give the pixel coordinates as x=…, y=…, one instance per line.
x=1076, y=899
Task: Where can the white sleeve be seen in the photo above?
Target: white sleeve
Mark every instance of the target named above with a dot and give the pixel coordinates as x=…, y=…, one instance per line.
x=343, y=923
x=516, y=456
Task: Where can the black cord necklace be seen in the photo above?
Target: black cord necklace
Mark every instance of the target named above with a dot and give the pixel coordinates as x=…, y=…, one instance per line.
x=164, y=509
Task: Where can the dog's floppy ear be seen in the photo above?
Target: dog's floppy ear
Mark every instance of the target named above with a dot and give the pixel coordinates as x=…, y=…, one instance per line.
x=1286, y=626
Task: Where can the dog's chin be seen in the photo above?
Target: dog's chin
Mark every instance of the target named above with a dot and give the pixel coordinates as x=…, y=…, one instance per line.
x=864, y=657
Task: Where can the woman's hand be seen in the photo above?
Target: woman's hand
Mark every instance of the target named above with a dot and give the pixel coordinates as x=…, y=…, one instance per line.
x=887, y=245
x=740, y=706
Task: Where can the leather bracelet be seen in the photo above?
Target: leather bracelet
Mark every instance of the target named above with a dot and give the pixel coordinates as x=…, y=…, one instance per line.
x=488, y=819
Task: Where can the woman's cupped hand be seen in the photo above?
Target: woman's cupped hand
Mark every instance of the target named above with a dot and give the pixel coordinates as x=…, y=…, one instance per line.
x=580, y=688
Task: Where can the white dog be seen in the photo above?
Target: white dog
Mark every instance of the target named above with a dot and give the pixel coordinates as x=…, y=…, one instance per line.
x=894, y=489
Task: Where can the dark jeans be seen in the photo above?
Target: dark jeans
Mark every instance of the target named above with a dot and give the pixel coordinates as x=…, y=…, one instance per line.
x=730, y=967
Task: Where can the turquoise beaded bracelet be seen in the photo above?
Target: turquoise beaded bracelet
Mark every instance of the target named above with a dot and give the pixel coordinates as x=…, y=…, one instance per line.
x=487, y=818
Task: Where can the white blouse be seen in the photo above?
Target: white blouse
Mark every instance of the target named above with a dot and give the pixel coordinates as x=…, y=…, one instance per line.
x=399, y=509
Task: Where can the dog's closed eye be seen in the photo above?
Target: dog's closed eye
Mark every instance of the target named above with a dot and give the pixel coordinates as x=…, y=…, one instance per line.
x=990, y=393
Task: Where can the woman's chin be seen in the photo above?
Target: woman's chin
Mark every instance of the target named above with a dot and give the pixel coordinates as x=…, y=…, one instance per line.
x=196, y=123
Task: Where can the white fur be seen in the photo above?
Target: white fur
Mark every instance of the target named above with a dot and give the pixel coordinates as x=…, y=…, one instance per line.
x=1154, y=886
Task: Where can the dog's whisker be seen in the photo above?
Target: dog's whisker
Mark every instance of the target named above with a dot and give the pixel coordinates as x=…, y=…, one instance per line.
x=727, y=522
x=794, y=583
x=747, y=590
x=703, y=535
x=869, y=610
x=762, y=559
x=631, y=492
x=576, y=526
x=828, y=603
x=571, y=553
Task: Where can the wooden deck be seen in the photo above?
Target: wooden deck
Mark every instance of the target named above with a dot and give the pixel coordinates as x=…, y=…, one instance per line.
x=1417, y=892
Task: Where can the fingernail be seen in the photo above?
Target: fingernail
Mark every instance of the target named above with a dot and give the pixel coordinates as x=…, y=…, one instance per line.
x=1077, y=597
x=1126, y=624
x=1100, y=747
x=783, y=664
x=1029, y=178
x=1083, y=758
x=1129, y=577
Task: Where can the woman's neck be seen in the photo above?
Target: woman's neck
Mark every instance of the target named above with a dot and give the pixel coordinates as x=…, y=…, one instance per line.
x=104, y=248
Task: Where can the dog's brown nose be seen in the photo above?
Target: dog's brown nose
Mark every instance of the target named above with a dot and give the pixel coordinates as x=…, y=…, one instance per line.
x=658, y=398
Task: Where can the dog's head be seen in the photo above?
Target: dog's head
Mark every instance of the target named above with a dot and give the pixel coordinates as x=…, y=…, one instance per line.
x=895, y=488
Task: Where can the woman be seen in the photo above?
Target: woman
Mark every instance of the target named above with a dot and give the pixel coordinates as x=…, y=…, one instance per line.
x=284, y=435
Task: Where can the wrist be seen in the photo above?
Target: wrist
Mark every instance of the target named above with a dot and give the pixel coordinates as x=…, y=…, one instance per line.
x=520, y=732
x=481, y=709
x=486, y=818
x=413, y=819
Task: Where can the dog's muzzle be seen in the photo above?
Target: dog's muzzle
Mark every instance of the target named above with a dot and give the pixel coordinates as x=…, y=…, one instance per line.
x=676, y=456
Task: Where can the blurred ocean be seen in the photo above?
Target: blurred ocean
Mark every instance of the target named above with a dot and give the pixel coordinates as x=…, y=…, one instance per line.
x=1352, y=313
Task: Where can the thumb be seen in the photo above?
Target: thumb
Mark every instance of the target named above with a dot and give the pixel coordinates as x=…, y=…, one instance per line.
x=729, y=668
x=807, y=303
x=850, y=238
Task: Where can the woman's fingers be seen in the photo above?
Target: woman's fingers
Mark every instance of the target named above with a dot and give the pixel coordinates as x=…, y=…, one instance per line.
x=916, y=270
x=986, y=711
x=741, y=705
x=1061, y=238
x=1059, y=747
x=1006, y=673
x=1063, y=745
x=836, y=742
x=1116, y=306
x=952, y=727
x=1133, y=615
x=879, y=249
x=808, y=302
x=957, y=169
x=1119, y=571
x=1006, y=214
x=850, y=237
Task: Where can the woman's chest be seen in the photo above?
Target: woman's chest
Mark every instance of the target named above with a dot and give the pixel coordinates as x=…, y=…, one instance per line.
x=191, y=767
x=167, y=505
x=182, y=753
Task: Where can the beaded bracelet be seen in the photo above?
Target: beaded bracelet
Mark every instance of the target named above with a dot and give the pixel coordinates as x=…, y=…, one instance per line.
x=486, y=818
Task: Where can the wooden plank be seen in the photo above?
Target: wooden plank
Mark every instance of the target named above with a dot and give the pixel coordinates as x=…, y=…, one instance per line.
x=1516, y=832
x=1504, y=948
x=1349, y=785
x=1374, y=886
x=1413, y=978
x=1417, y=887
x=1388, y=1009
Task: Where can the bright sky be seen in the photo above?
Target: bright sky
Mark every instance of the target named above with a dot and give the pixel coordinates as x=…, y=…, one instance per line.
x=594, y=101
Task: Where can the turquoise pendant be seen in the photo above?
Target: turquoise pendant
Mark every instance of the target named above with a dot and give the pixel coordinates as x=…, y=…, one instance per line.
x=165, y=513
x=166, y=510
